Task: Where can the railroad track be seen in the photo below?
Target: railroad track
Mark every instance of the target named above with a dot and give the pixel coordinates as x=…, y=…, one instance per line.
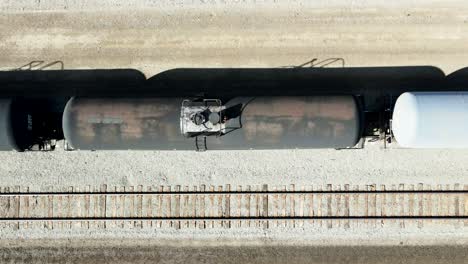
x=226, y=206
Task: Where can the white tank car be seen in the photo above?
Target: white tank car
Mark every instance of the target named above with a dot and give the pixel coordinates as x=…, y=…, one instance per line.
x=431, y=120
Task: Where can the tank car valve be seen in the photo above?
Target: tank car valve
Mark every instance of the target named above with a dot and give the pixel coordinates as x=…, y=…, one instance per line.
x=201, y=118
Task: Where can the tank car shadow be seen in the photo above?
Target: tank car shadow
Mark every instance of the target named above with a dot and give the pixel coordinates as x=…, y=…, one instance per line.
x=57, y=83
x=373, y=82
x=457, y=81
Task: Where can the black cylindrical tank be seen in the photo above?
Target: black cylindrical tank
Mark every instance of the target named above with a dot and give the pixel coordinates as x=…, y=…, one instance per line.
x=260, y=123
x=30, y=123
x=7, y=139
x=15, y=125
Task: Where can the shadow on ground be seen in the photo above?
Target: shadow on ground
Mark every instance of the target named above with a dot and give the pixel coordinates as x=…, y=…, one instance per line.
x=374, y=83
x=48, y=83
x=369, y=81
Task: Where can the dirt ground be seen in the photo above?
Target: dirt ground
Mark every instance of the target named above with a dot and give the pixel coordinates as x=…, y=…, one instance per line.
x=95, y=252
x=153, y=36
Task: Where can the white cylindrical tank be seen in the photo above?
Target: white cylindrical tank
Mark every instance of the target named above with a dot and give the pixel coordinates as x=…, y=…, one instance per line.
x=431, y=120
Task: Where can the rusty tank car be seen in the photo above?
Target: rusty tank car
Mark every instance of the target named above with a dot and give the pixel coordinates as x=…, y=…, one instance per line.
x=202, y=124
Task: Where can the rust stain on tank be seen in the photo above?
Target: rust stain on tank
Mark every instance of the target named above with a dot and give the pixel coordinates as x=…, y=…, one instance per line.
x=269, y=131
x=270, y=119
x=340, y=108
x=265, y=123
x=120, y=121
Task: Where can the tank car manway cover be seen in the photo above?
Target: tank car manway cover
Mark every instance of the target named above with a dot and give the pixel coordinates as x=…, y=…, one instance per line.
x=201, y=118
x=246, y=123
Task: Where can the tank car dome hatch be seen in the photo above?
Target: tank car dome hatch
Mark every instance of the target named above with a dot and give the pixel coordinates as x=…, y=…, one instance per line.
x=200, y=124
x=431, y=120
